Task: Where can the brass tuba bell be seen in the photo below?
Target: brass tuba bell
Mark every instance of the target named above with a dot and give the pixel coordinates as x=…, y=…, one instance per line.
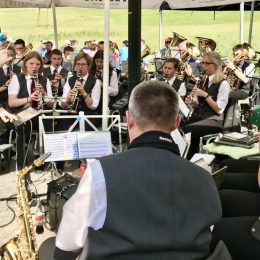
x=206, y=45
x=177, y=39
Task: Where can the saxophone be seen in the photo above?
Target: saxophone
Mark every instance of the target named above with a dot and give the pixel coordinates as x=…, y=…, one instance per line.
x=23, y=245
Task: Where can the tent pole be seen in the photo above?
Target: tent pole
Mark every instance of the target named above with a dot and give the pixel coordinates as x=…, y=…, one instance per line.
x=106, y=63
x=251, y=22
x=134, y=39
x=54, y=23
x=241, y=38
x=160, y=30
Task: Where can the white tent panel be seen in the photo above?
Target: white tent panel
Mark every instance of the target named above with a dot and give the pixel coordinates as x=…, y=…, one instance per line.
x=146, y=4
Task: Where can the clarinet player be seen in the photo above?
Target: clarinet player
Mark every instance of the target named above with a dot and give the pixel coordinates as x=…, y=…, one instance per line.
x=210, y=101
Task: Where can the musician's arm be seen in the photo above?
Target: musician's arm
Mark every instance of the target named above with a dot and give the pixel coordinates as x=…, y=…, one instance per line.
x=113, y=86
x=86, y=208
x=93, y=100
x=49, y=103
x=66, y=90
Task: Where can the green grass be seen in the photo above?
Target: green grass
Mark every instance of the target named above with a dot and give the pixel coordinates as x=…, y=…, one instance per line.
x=87, y=24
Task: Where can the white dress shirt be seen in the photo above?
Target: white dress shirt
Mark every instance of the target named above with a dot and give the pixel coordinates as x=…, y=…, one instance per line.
x=14, y=87
x=223, y=93
x=95, y=93
x=181, y=90
x=86, y=208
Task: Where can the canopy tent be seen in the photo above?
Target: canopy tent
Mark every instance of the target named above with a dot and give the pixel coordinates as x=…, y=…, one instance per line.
x=134, y=7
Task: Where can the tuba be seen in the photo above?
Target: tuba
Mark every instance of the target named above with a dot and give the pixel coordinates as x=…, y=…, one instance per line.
x=206, y=45
x=177, y=39
x=146, y=51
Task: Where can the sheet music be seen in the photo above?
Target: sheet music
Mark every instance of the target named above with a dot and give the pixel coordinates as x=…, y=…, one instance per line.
x=63, y=146
x=179, y=140
x=183, y=107
x=94, y=144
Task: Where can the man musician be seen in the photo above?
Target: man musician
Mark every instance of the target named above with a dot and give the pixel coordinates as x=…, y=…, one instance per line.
x=242, y=69
x=55, y=73
x=6, y=72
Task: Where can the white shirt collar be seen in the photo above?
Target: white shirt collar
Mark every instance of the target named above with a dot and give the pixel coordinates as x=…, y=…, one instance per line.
x=171, y=80
x=52, y=68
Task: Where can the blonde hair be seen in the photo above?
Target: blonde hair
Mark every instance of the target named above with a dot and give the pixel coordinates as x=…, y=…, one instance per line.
x=214, y=57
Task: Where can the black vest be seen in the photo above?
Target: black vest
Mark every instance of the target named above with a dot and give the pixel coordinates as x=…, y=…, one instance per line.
x=176, y=84
x=204, y=110
x=23, y=92
x=89, y=85
x=4, y=94
x=47, y=73
x=148, y=207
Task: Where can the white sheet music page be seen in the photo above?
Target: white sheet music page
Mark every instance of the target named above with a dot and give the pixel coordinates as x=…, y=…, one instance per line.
x=94, y=144
x=179, y=140
x=183, y=107
x=63, y=146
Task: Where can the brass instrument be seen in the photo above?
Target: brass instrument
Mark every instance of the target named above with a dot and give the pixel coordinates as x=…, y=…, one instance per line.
x=146, y=51
x=231, y=77
x=177, y=39
x=21, y=58
x=23, y=245
x=192, y=51
x=205, y=45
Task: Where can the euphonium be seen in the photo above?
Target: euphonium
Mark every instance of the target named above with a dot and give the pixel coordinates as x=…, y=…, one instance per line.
x=21, y=58
x=177, y=39
x=206, y=45
x=146, y=51
x=23, y=245
x=231, y=77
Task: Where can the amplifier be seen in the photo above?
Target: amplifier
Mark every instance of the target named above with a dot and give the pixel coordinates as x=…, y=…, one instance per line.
x=59, y=191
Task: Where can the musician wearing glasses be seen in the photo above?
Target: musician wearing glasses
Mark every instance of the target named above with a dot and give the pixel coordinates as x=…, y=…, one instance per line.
x=6, y=71
x=55, y=73
x=207, y=101
x=165, y=52
x=239, y=71
x=85, y=86
x=170, y=70
x=20, y=50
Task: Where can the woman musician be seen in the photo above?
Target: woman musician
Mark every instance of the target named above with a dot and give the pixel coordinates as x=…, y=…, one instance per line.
x=96, y=70
x=209, y=102
x=88, y=87
x=170, y=71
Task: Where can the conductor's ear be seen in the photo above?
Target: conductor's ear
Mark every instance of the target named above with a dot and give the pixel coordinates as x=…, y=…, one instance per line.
x=176, y=123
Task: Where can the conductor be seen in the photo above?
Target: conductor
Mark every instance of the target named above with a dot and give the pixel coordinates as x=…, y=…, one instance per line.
x=147, y=202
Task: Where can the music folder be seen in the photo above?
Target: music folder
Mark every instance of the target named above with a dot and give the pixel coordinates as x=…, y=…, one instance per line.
x=25, y=115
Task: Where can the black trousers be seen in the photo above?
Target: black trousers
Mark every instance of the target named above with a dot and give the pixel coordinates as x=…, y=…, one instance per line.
x=236, y=234
x=199, y=129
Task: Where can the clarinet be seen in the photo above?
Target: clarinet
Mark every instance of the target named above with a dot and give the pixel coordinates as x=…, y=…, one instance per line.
x=76, y=97
x=197, y=85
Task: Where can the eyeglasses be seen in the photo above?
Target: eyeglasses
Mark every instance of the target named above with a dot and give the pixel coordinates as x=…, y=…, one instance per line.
x=206, y=63
x=81, y=64
x=167, y=41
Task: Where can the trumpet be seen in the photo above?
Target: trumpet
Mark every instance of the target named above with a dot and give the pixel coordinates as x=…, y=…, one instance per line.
x=21, y=58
